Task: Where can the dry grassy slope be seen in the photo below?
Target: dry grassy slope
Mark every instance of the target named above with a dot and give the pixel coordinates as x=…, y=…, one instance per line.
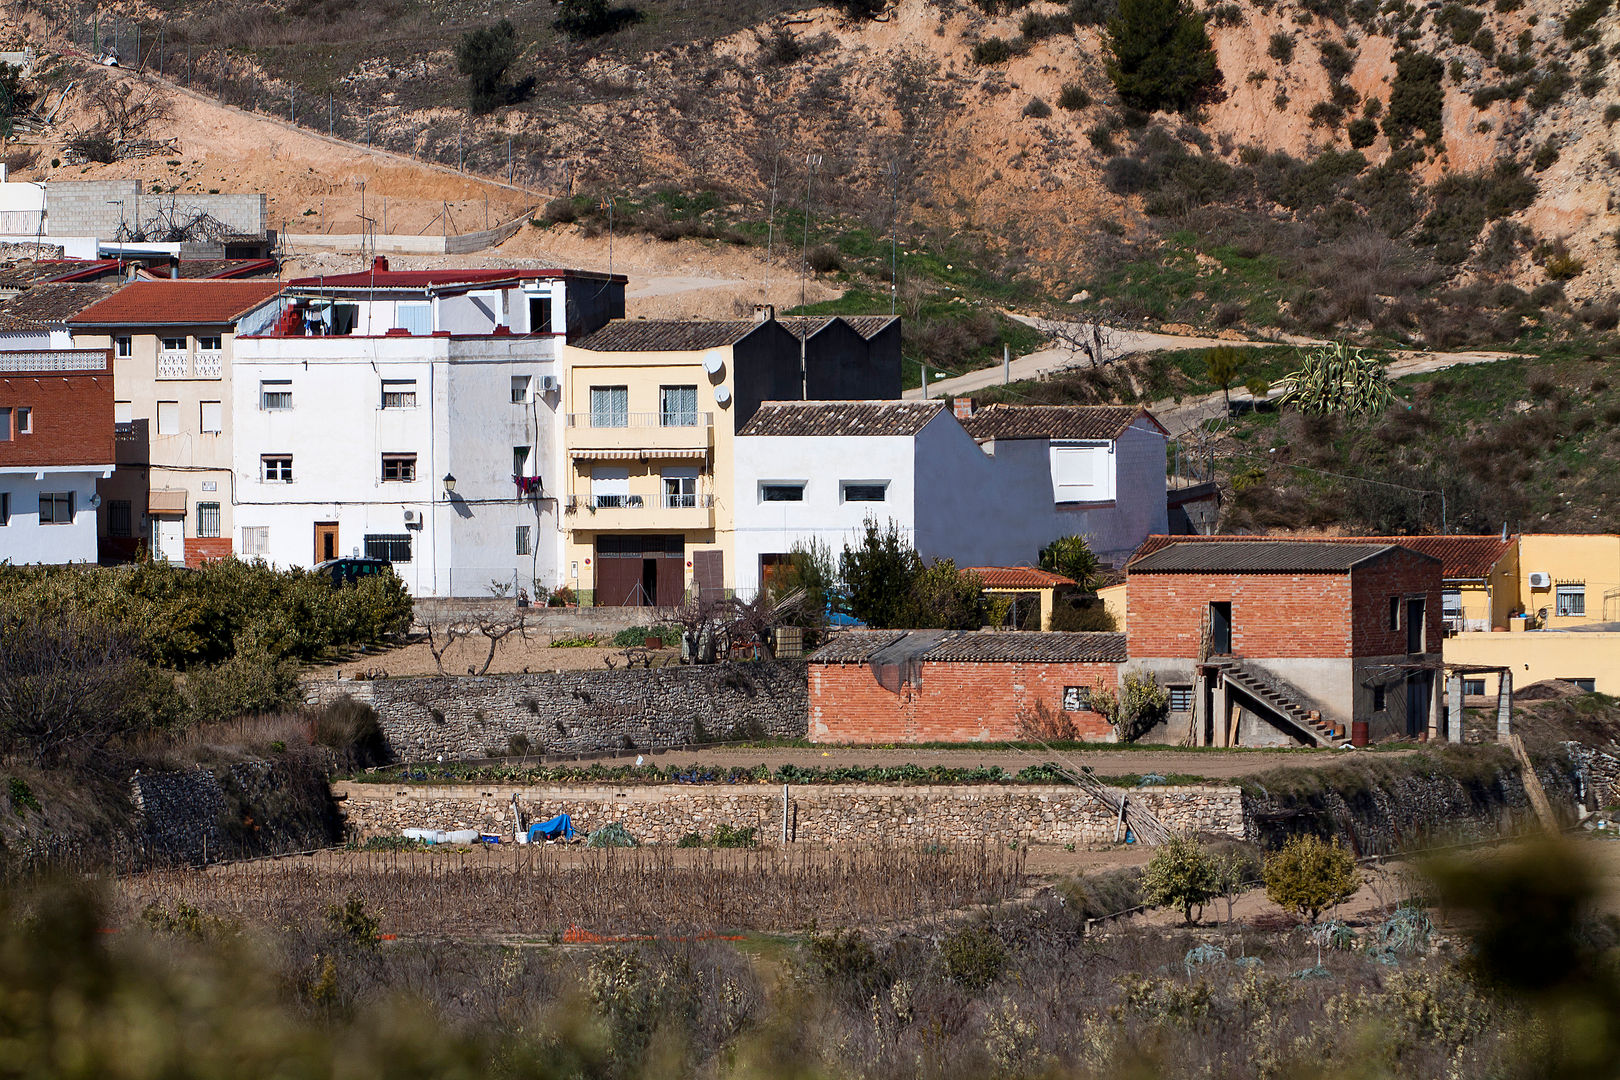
x=906, y=90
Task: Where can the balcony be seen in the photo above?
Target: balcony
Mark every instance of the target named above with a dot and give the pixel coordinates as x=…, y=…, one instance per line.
x=648, y=432
x=641, y=512
x=181, y=364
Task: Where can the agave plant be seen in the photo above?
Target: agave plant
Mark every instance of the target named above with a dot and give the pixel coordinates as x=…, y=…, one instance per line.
x=1336, y=378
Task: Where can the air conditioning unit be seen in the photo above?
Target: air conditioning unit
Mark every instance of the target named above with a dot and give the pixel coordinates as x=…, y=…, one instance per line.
x=549, y=383
x=1539, y=580
x=413, y=517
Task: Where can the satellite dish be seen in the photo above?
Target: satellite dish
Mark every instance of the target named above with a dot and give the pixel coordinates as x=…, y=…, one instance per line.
x=95, y=501
x=713, y=362
x=722, y=395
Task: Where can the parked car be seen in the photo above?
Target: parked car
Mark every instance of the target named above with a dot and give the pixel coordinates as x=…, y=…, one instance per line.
x=348, y=571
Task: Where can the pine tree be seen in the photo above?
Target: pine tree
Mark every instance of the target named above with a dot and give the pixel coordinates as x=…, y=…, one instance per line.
x=1160, y=55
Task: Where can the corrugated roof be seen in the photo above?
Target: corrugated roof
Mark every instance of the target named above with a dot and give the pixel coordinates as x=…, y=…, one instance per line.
x=1461, y=557
x=21, y=275
x=1017, y=577
x=1260, y=556
x=989, y=646
x=1053, y=421
x=178, y=303
x=381, y=277
x=840, y=418
x=224, y=268
x=50, y=304
x=667, y=335
x=856, y=646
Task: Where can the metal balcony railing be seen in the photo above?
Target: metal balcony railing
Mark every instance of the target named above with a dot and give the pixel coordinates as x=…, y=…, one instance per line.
x=674, y=419
x=639, y=502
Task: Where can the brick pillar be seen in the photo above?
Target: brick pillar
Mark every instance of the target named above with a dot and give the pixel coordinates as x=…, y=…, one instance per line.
x=1504, y=706
x=1454, y=722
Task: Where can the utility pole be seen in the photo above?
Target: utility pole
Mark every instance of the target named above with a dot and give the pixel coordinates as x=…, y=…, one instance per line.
x=812, y=162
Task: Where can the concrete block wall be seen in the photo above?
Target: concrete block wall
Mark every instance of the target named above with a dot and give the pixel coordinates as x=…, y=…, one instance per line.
x=97, y=207
x=832, y=813
x=581, y=711
x=952, y=702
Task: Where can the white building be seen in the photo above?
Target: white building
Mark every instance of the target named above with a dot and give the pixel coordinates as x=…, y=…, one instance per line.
x=416, y=423
x=988, y=492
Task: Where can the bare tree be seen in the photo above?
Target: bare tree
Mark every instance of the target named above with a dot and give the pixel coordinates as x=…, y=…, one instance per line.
x=756, y=618
x=125, y=108
x=444, y=631
x=1095, y=342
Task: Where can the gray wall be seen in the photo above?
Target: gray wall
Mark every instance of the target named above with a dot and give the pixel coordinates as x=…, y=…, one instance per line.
x=92, y=208
x=582, y=711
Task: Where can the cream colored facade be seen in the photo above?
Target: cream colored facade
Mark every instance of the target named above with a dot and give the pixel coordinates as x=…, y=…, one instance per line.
x=1538, y=655
x=648, y=455
x=1582, y=572
x=173, y=444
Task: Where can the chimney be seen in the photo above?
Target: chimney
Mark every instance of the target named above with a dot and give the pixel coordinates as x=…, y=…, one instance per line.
x=764, y=312
x=379, y=264
x=174, y=270
x=963, y=407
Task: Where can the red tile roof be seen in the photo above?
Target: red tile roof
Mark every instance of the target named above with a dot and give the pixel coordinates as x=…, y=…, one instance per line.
x=1017, y=577
x=1461, y=557
x=381, y=277
x=178, y=303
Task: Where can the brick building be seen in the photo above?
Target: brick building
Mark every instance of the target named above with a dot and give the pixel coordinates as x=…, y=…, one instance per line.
x=894, y=686
x=1285, y=642
x=56, y=444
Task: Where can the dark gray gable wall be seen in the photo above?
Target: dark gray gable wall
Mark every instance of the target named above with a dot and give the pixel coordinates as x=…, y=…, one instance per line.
x=844, y=366
x=767, y=369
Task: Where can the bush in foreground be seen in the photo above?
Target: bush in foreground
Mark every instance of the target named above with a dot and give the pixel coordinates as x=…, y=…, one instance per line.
x=1310, y=875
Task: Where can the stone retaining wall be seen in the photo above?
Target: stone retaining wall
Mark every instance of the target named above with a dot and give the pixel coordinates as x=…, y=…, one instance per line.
x=581, y=711
x=817, y=813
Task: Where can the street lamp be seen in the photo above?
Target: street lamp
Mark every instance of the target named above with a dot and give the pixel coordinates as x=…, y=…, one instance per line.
x=449, y=484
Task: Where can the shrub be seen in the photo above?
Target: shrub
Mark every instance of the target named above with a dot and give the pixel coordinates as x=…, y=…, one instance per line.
x=1101, y=137
x=1180, y=875
x=1310, y=875
x=1415, y=97
x=97, y=146
x=1223, y=365
x=1073, y=97
x=483, y=55
x=1363, y=131
x=1281, y=47
x=1563, y=266
x=1037, y=109
x=638, y=635
x=973, y=958
x=356, y=925
x=1462, y=22
x=1072, y=557
x=1160, y=56
x=1337, y=60
x=730, y=836
x=1551, y=87
x=245, y=683
x=1546, y=156
x=1326, y=114
x=1139, y=704
x=992, y=50
x=1092, y=12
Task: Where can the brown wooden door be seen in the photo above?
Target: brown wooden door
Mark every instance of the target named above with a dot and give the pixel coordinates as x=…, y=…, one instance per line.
x=618, y=576
x=326, y=540
x=708, y=573
x=671, y=570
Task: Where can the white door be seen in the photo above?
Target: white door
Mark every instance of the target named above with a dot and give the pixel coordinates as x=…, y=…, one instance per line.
x=169, y=539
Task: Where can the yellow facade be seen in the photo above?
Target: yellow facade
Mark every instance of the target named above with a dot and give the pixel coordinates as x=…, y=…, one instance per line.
x=1537, y=656
x=1115, y=601
x=651, y=457
x=1582, y=572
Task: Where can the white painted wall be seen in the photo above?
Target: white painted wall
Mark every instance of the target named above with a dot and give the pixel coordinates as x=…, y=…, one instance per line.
x=464, y=423
x=24, y=539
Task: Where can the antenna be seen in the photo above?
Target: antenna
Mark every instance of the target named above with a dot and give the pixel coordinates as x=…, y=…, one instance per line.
x=812, y=163
x=607, y=203
x=770, y=223
x=893, y=169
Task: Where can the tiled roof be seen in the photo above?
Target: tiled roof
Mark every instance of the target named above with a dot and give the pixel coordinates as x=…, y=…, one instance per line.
x=667, y=335
x=178, y=303
x=1259, y=556
x=23, y=274
x=48, y=305
x=856, y=646
x=869, y=326
x=1052, y=421
x=1030, y=646
x=381, y=277
x=224, y=268
x=1461, y=557
x=871, y=418
x=1017, y=577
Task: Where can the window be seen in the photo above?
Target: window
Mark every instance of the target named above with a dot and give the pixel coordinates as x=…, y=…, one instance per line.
x=610, y=406
x=1570, y=600
x=522, y=539
x=275, y=394
x=1378, y=699
x=398, y=468
x=208, y=519
x=391, y=547
x=539, y=315
x=520, y=461
x=124, y=346
x=210, y=343
x=610, y=485
x=118, y=518
x=1473, y=687
x=1082, y=471
x=1394, y=613
x=25, y=421
x=168, y=417
x=123, y=412
x=5, y=508
x=854, y=492
x=1589, y=685
x=1076, y=698
x=399, y=394
x=276, y=468
x=5, y=425
x=1181, y=699
x=520, y=389
x=677, y=406
x=415, y=317
x=256, y=541
x=56, y=508
x=781, y=493
x=1451, y=603
x=174, y=344
x=212, y=417
x=680, y=487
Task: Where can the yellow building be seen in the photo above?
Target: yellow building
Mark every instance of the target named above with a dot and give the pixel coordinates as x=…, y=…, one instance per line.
x=1564, y=580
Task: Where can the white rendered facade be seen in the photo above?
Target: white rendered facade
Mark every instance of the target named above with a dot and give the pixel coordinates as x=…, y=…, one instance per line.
x=24, y=537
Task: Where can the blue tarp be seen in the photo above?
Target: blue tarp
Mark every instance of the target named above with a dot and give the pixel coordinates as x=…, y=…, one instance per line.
x=559, y=827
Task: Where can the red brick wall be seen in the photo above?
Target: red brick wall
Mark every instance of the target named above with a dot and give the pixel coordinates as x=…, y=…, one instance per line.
x=201, y=549
x=1273, y=615
x=72, y=418
x=1402, y=573
x=956, y=702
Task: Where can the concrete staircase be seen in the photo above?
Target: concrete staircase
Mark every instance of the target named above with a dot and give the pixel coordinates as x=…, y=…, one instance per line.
x=1281, y=701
